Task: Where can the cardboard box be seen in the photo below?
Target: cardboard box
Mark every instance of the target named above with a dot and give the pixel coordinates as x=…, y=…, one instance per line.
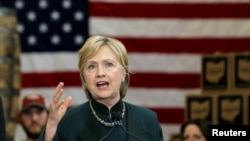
x=230, y=108
x=8, y=18
x=241, y=71
x=6, y=43
x=9, y=67
x=199, y=106
x=5, y=75
x=216, y=72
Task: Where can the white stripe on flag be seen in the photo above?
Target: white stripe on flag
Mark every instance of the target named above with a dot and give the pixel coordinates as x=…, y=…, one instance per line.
x=161, y=97
x=163, y=28
x=142, y=62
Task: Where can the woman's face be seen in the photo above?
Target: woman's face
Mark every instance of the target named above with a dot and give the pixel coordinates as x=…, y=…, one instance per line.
x=193, y=133
x=104, y=74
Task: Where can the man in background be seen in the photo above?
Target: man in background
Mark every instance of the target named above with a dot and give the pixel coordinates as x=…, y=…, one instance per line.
x=33, y=116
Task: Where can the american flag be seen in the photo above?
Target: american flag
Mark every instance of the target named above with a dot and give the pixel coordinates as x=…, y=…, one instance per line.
x=164, y=39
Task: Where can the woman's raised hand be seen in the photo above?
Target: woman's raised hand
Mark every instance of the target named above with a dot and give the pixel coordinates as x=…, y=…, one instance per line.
x=57, y=110
x=58, y=107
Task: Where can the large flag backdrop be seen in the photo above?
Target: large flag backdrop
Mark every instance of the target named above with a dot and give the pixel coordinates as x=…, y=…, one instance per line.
x=164, y=39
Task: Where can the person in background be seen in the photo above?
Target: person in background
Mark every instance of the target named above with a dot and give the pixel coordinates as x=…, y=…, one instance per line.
x=104, y=72
x=194, y=130
x=33, y=116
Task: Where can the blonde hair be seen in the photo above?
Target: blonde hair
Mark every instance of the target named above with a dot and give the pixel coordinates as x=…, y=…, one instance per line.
x=88, y=50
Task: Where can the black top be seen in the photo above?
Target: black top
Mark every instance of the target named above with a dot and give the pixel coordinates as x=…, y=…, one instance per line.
x=79, y=124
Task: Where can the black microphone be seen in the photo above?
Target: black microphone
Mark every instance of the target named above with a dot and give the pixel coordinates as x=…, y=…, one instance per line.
x=117, y=118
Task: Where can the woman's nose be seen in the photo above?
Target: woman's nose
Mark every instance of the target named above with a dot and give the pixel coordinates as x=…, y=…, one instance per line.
x=100, y=71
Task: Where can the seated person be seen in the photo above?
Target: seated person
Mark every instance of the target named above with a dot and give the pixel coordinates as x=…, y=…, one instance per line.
x=33, y=116
x=194, y=129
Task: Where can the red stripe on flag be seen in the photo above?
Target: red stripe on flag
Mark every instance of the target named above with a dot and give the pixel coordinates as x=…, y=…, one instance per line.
x=170, y=10
x=165, y=115
x=175, y=45
x=50, y=79
x=170, y=115
x=149, y=80
x=164, y=80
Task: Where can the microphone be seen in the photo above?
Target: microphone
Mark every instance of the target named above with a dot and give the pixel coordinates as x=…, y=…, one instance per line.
x=117, y=118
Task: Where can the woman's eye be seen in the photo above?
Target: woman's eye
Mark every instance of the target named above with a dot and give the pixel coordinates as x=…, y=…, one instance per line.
x=91, y=67
x=109, y=65
x=197, y=136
